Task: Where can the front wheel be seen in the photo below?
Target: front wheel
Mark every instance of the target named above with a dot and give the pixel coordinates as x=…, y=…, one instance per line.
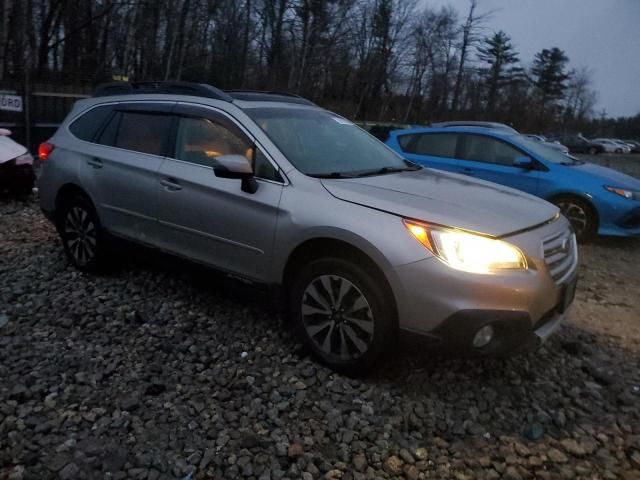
x=581, y=215
x=81, y=235
x=593, y=151
x=343, y=314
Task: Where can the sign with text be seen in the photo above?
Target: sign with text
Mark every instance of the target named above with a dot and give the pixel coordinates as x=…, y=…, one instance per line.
x=11, y=103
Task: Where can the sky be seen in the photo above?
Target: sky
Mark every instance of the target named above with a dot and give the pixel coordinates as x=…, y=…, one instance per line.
x=603, y=35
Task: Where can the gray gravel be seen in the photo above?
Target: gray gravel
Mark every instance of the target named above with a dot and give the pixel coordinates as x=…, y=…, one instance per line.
x=158, y=370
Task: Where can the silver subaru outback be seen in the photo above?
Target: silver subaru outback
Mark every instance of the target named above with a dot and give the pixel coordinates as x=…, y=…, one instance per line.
x=358, y=242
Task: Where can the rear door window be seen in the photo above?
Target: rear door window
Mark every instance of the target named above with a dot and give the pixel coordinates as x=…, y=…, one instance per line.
x=432, y=144
x=144, y=132
x=479, y=148
x=88, y=125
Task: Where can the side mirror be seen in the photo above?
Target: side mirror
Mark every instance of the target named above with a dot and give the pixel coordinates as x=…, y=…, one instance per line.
x=523, y=162
x=237, y=167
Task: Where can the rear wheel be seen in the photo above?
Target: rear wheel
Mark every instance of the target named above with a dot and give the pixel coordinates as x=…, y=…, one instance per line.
x=342, y=314
x=81, y=234
x=593, y=151
x=581, y=214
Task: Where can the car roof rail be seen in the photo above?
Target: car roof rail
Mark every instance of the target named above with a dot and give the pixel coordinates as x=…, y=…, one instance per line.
x=152, y=87
x=268, y=96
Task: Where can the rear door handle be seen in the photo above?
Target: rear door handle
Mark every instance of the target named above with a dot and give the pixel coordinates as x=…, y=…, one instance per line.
x=95, y=162
x=171, y=184
x=468, y=171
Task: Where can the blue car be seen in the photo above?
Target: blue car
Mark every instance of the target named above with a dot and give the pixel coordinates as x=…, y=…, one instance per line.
x=595, y=199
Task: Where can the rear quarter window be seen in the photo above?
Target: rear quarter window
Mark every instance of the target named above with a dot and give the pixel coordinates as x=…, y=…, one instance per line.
x=90, y=123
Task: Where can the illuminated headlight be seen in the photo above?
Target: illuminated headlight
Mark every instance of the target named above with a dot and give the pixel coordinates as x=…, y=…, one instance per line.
x=630, y=194
x=466, y=251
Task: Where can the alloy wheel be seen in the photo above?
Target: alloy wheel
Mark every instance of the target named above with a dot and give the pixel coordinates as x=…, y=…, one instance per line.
x=80, y=234
x=337, y=317
x=576, y=214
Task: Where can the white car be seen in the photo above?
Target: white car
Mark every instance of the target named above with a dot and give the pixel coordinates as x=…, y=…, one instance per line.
x=611, y=146
x=548, y=143
x=626, y=144
x=16, y=166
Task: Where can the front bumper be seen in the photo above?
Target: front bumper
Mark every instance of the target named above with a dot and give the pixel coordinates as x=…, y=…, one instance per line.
x=513, y=332
x=626, y=225
x=450, y=307
x=620, y=217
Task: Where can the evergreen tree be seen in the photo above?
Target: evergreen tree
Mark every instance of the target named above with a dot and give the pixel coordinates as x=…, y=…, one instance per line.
x=498, y=52
x=550, y=75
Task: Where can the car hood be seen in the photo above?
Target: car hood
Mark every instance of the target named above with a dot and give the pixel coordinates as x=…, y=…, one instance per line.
x=446, y=199
x=607, y=176
x=10, y=149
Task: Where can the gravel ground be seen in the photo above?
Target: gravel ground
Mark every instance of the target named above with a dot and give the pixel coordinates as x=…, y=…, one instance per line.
x=161, y=370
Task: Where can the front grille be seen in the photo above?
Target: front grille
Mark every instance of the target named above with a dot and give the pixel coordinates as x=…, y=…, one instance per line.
x=560, y=254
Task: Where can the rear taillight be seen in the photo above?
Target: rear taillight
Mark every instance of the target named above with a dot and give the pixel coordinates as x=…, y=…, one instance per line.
x=44, y=150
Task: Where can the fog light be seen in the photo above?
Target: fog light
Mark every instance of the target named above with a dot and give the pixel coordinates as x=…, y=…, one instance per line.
x=483, y=337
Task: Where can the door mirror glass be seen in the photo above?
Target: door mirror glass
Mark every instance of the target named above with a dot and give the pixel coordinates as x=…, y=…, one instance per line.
x=523, y=162
x=232, y=166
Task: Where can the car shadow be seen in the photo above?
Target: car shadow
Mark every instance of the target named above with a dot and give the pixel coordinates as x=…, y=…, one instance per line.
x=615, y=242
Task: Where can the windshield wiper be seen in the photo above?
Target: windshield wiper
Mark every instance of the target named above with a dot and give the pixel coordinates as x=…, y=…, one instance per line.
x=365, y=173
x=331, y=175
x=385, y=170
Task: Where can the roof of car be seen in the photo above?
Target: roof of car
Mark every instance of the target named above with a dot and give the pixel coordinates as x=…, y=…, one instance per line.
x=474, y=123
x=202, y=90
x=495, y=132
x=267, y=96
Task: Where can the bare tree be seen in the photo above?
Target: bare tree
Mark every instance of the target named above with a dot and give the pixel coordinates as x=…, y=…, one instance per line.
x=471, y=31
x=368, y=59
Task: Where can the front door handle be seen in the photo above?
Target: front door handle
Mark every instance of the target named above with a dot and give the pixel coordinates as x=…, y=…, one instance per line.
x=468, y=171
x=95, y=162
x=171, y=184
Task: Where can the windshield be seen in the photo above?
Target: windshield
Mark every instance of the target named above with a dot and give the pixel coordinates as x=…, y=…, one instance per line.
x=548, y=153
x=319, y=143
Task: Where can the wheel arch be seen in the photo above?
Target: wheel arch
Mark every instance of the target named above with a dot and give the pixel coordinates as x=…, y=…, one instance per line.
x=68, y=191
x=322, y=247
x=580, y=196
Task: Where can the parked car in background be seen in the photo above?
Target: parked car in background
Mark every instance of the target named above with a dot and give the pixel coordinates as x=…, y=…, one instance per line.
x=355, y=241
x=16, y=166
x=635, y=145
x=381, y=130
x=625, y=143
x=548, y=143
x=595, y=199
x=578, y=144
x=611, y=146
x=473, y=123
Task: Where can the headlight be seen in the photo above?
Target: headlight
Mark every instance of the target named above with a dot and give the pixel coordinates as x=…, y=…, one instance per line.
x=630, y=194
x=466, y=251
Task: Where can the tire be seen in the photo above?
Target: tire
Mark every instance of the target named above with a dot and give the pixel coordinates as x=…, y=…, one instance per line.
x=592, y=151
x=581, y=214
x=322, y=295
x=82, y=236
x=618, y=150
